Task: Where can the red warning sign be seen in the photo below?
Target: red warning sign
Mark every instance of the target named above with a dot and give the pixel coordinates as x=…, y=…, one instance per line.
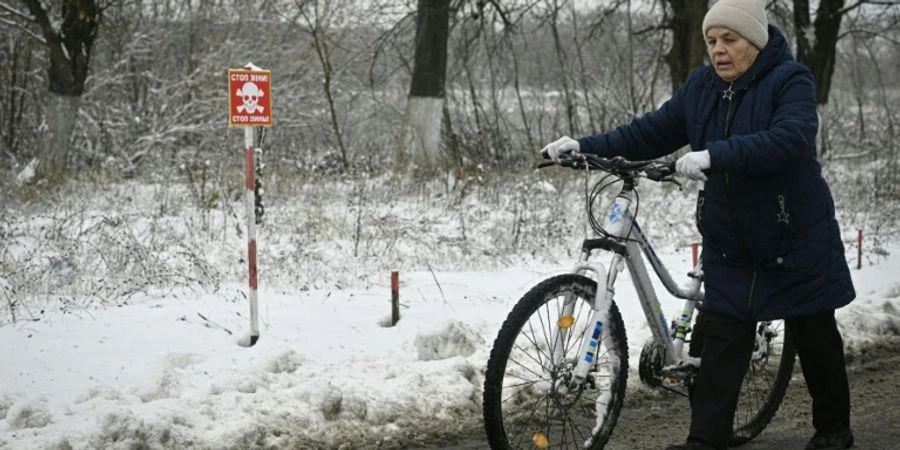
x=249, y=98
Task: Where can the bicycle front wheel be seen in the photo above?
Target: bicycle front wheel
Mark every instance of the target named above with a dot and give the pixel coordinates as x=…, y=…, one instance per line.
x=529, y=401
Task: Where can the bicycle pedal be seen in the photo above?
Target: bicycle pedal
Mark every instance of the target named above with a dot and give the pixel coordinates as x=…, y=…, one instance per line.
x=680, y=371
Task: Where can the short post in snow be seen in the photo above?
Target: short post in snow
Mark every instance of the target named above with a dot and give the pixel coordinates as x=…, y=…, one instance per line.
x=395, y=298
x=250, y=106
x=694, y=254
x=859, y=235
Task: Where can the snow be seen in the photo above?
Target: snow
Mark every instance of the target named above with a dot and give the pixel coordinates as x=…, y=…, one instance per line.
x=327, y=370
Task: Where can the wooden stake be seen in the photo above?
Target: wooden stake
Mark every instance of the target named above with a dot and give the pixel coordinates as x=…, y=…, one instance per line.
x=859, y=235
x=395, y=298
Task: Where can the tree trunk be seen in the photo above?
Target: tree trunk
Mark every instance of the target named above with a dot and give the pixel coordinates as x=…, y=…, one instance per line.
x=420, y=137
x=688, y=45
x=818, y=55
x=61, y=112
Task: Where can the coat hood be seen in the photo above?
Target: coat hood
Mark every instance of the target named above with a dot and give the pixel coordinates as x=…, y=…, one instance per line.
x=775, y=51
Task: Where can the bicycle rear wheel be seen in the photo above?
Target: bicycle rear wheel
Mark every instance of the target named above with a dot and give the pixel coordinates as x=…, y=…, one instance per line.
x=767, y=379
x=526, y=404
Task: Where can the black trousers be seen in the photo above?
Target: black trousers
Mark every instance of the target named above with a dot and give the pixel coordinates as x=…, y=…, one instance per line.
x=725, y=348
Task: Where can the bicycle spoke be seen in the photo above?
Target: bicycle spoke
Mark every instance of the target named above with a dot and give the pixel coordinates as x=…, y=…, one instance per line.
x=532, y=409
x=511, y=359
x=527, y=383
x=566, y=417
x=575, y=428
x=536, y=346
x=569, y=340
x=536, y=360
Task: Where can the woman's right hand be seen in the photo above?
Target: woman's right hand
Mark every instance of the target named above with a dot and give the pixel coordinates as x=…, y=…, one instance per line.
x=560, y=149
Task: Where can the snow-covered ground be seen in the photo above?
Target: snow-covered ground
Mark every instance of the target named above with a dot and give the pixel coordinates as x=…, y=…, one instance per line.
x=325, y=371
x=163, y=370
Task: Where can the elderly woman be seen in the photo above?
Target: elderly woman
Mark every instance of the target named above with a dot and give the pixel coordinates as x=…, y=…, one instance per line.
x=771, y=245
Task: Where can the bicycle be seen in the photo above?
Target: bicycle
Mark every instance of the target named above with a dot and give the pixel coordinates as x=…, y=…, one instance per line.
x=558, y=368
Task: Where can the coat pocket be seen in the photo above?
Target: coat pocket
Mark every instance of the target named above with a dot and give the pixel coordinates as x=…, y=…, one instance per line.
x=798, y=277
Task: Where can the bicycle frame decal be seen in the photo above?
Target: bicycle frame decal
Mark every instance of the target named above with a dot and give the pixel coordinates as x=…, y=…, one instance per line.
x=595, y=342
x=654, y=259
x=616, y=214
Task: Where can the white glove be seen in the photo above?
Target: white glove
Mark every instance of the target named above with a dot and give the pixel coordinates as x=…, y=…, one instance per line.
x=693, y=164
x=560, y=149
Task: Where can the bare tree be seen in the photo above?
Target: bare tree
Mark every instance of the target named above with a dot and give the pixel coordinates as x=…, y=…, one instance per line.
x=420, y=137
x=16, y=58
x=69, y=42
x=688, y=47
x=817, y=39
x=320, y=42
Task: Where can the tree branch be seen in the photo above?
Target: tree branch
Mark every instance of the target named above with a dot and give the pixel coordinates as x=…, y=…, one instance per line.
x=24, y=28
x=40, y=17
x=875, y=33
x=16, y=12
x=503, y=15
x=869, y=2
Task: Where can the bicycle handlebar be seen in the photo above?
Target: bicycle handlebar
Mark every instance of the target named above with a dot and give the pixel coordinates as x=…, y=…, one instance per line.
x=654, y=170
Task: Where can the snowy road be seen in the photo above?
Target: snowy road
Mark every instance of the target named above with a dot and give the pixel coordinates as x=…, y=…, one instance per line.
x=649, y=424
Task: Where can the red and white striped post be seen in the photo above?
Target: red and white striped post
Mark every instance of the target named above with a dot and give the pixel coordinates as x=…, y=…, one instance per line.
x=250, y=106
x=250, y=199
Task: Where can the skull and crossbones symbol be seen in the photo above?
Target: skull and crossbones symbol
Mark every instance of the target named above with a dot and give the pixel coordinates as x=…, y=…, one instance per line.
x=250, y=93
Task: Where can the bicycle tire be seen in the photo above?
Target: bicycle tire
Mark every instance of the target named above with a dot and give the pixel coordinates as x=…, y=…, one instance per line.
x=505, y=427
x=757, y=406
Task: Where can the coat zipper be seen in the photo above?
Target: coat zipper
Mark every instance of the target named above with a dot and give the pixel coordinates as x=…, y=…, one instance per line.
x=699, y=213
x=728, y=95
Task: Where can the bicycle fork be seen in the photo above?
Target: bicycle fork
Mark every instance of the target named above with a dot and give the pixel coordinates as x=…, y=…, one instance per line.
x=597, y=325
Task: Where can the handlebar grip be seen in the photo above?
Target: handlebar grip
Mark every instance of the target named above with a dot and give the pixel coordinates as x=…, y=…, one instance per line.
x=543, y=164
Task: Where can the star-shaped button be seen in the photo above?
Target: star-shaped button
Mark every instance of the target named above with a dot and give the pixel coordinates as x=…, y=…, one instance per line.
x=784, y=217
x=728, y=94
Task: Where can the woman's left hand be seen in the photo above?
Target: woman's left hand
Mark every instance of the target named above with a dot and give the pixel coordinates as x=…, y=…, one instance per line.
x=693, y=164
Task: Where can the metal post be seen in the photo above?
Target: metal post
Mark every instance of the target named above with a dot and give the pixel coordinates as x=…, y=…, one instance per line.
x=859, y=239
x=395, y=298
x=250, y=197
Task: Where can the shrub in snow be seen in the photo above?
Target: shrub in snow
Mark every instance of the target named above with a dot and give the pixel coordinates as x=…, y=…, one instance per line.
x=6, y=401
x=355, y=407
x=453, y=339
x=122, y=431
x=168, y=386
x=330, y=405
x=100, y=392
x=892, y=292
x=252, y=439
x=286, y=362
x=29, y=415
x=62, y=444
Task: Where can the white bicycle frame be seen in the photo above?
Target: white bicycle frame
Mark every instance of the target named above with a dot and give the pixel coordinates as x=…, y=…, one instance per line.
x=621, y=224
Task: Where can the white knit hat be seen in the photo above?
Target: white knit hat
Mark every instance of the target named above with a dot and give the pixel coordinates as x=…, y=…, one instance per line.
x=745, y=17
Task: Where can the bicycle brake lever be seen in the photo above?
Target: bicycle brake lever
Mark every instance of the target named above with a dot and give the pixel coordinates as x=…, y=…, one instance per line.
x=673, y=181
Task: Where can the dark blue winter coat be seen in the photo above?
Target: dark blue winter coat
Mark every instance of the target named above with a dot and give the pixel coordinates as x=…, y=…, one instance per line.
x=771, y=244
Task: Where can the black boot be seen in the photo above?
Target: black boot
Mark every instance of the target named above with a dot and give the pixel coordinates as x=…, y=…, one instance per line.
x=831, y=441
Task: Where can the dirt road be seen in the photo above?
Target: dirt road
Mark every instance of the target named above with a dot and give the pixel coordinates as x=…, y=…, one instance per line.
x=874, y=373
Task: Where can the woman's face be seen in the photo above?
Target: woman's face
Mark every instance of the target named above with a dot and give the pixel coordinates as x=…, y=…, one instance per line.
x=730, y=54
